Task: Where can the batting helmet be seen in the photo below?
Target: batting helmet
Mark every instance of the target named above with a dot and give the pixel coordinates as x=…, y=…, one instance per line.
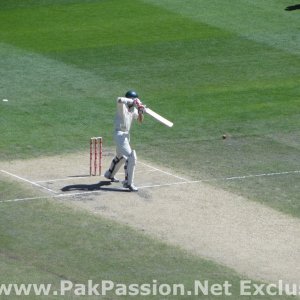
x=131, y=94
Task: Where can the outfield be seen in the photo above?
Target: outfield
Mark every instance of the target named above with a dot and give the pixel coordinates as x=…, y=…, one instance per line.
x=212, y=68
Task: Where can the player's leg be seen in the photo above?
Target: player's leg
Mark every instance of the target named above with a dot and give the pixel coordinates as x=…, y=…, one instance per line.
x=123, y=150
x=130, y=156
x=124, y=154
x=129, y=171
x=115, y=166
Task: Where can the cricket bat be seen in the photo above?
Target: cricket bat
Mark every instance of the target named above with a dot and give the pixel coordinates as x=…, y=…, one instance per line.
x=158, y=117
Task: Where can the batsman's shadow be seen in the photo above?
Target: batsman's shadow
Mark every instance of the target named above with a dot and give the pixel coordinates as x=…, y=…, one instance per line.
x=102, y=185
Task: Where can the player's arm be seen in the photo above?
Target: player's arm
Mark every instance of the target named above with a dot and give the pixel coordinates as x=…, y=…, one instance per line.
x=140, y=117
x=140, y=108
x=124, y=100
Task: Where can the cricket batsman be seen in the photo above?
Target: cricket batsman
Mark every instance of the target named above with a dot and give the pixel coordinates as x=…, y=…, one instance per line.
x=129, y=108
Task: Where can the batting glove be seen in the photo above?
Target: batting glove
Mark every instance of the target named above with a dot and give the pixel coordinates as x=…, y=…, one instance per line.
x=137, y=102
x=141, y=109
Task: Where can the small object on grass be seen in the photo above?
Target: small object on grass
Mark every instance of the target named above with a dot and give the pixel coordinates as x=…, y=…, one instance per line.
x=292, y=7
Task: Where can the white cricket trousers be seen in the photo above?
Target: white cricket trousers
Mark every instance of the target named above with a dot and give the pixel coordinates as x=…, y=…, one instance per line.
x=122, y=140
x=124, y=154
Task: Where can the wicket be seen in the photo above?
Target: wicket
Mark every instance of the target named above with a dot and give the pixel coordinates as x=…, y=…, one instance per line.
x=95, y=156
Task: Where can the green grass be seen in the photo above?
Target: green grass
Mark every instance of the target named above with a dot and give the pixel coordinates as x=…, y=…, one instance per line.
x=11, y=191
x=211, y=69
x=261, y=21
x=44, y=242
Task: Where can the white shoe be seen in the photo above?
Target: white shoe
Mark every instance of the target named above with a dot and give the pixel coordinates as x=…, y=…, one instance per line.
x=107, y=175
x=132, y=187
